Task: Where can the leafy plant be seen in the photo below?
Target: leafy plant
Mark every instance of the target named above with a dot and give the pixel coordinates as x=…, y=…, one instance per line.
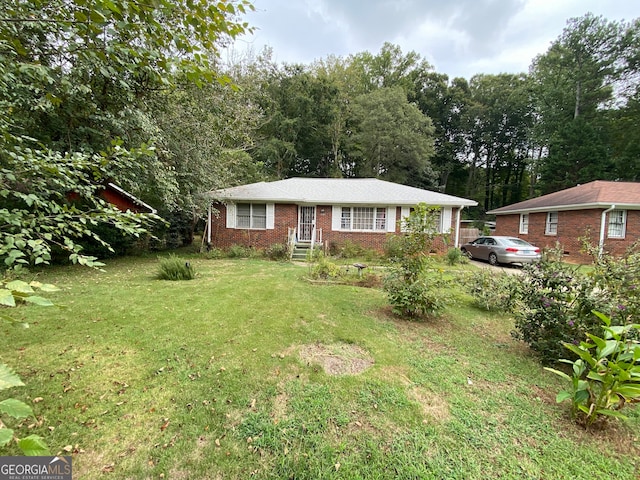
x=493, y=291
x=454, y=256
x=553, y=305
x=12, y=293
x=176, y=268
x=406, y=285
x=323, y=268
x=606, y=376
x=277, y=252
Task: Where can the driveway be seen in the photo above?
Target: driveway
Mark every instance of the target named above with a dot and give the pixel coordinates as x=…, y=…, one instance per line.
x=510, y=269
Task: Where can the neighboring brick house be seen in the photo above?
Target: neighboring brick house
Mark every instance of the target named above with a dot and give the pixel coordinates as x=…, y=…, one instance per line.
x=326, y=211
x=605, y=213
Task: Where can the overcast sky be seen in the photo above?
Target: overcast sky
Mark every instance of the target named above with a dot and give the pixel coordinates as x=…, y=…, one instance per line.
x=458, y=37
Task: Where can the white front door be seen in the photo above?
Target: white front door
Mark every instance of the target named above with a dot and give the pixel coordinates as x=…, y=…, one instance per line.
x=306, y=223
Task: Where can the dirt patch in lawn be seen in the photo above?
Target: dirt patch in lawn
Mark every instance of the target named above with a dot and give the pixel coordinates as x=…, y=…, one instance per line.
x=337, y=359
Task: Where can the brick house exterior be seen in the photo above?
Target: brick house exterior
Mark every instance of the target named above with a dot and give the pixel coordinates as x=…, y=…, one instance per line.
x=363, y=211
x=606, y=214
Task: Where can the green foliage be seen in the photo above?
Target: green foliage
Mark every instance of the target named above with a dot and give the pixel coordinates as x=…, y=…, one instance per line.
x=175, y=268
x=278, y=252
x=34, y=223
x=407, y=288
x=240, y=251
x=323, y=268
x=606, y=375
x=553, y=306
x=493, y=291
x=13, y=293
x=455, y=256
x=412, y=299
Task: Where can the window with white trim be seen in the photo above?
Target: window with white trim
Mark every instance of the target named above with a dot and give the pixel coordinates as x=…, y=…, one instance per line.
x=251, y=215
x=363, y=218
x=524, y=223
x=552, y=224
x=617, y=224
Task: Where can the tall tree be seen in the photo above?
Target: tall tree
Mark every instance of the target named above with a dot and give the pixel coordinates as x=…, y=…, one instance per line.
x=72, y=75
x=391, y=139
x=576, y=81
x=498, y=122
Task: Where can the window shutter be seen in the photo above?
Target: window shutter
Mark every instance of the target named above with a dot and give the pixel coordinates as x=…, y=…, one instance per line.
x=404, y=213
x=336, y=215
x=271, y=217
x=391, y=219
x=446, y=220
x=231, y=215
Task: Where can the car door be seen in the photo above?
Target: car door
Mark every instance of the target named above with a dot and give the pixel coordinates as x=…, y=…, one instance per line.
x=478, y=249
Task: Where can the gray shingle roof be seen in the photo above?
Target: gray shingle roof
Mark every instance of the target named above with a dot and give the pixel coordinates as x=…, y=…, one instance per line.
x=597, y=194
x=337, y=191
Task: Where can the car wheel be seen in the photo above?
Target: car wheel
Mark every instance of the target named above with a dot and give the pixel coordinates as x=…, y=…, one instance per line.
x=467, y=253
x=493, y=259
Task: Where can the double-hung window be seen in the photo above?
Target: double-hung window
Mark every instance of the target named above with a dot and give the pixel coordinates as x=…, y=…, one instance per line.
x=552, y=224
x=363, y=218
x=524, y=223
x=617, y=223
x=251, y=215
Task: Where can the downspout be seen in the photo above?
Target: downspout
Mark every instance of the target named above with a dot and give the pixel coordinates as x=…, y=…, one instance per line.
x=209, y=226
x=457, y=241
x=602, y=225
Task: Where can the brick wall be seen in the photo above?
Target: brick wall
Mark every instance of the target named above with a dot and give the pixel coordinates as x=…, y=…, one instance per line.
x=286, y=216
x=572, y=227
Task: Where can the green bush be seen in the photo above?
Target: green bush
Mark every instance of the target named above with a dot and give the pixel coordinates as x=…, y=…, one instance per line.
x=278, y=252
x=324, y=269
x=240, y=251
x=175, y=268
x=493, y=291
x=553, y=306
x=606, y=375
x=407, y=288
x=412, y=299
x=455, y=256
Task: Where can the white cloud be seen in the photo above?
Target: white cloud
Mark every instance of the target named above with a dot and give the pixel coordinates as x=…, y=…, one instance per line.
x=459, y=37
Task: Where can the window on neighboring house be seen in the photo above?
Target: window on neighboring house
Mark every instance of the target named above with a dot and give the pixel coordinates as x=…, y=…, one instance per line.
x=552, y=223
x=363, y=218
x=251, y=215
x=524, y=223
x=617, y=221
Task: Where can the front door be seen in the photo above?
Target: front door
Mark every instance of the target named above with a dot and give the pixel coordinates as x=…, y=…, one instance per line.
x=306, y=223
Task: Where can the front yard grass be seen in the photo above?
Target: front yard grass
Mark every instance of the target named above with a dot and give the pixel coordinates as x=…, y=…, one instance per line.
x=201, y=379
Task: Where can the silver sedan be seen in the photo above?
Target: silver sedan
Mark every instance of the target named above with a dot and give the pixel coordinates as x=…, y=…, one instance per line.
x=498, y=249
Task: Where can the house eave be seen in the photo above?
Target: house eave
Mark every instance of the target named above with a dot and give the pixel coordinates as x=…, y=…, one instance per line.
x=560, y=208
x=351, y=202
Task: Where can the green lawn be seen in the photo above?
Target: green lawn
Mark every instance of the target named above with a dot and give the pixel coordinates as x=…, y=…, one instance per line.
x=206, y=379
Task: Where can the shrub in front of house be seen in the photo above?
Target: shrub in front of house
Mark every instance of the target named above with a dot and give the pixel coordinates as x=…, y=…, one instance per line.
x=455, y=256
x=321, y=268
x=553, y=306
x=493, y=291
x=175, y=268
x=240, y=251
x=278, y=252
x=408, y=289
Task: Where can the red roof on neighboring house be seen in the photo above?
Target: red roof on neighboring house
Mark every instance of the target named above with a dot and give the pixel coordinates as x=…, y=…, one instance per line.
x=597, y=194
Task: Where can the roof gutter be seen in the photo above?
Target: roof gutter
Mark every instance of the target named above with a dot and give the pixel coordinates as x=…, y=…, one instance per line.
x=457, y=240
x=602, y=225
